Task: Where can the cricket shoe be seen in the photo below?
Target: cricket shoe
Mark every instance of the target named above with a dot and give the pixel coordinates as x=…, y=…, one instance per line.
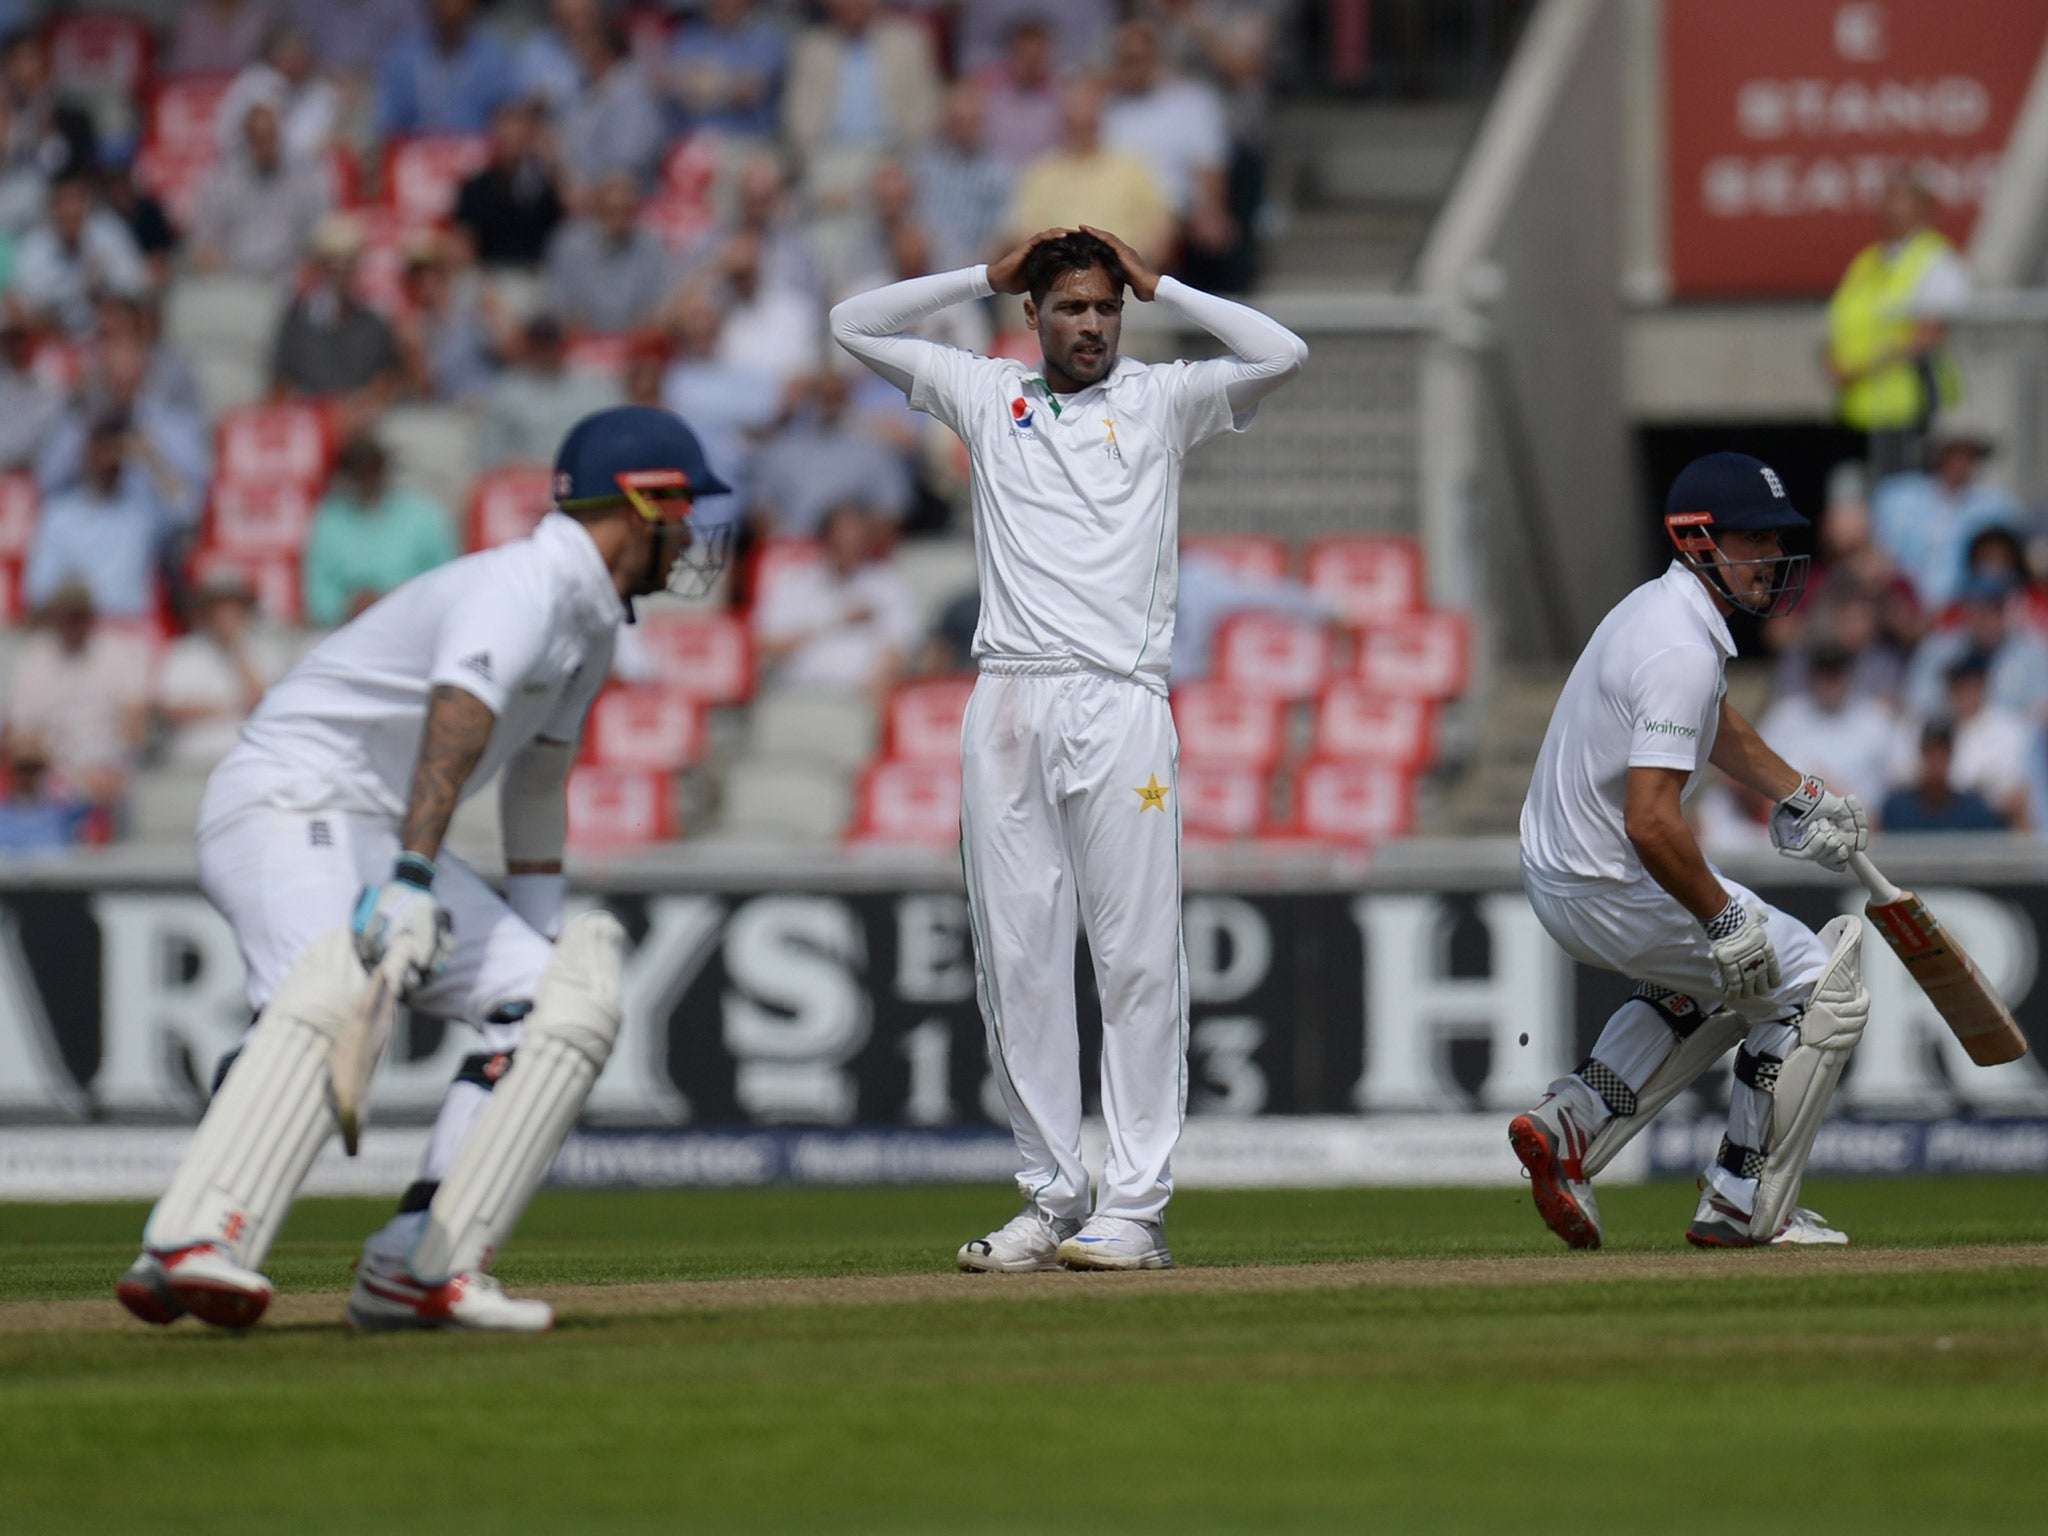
x=1113, y=1242
x=1552, y=1146
x=1029, y=1240
x=386, y=1298
x=1718, y=1224
x=145, y=1290
x=204, y=1281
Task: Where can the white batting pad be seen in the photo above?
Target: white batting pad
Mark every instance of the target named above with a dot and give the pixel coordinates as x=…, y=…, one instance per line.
x=567, y=1040
x=271, y=1116
x=1688, y=1061
x=1828, y=1032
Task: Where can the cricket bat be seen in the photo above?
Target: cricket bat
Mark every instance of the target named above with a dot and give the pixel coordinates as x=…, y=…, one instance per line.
x=1949, y=977
x=358, y=1049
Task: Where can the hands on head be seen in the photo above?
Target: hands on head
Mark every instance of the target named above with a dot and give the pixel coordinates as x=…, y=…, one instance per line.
x=1006, y=273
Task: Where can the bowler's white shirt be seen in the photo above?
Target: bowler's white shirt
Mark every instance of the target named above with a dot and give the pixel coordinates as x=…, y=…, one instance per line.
x=1646, y=693
x=1076, y=497
x=527, y=628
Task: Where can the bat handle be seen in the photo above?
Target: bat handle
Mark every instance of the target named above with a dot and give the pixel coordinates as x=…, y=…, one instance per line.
x=1882, y=891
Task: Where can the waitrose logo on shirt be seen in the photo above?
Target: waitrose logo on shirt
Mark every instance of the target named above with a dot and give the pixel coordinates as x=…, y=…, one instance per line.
x=1669, y=728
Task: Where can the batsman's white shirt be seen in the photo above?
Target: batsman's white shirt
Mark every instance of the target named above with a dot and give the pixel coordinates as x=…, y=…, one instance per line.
x=1646, y=693
x=307, y=808
x=1069, y=812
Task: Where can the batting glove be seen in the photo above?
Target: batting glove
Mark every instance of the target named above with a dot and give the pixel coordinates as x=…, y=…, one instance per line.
x=1742, y=949
x=1814, y=823
x=400, y=918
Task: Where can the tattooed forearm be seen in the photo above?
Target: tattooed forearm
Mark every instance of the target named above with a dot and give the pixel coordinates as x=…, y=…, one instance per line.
x=458, y=728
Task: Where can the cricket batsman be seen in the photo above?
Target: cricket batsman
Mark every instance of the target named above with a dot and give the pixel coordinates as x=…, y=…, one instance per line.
x=1068, y=754
x=1617, y=878
x=320, y=843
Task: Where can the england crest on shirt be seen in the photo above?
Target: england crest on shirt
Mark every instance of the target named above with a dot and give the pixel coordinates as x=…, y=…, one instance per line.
x=1022, y=418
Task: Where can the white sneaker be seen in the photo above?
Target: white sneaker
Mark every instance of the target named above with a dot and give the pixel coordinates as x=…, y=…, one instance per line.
x=204, y=1281
x=1718, y=1224
x=1112, y=1242
x=145, y=1290
x=1552, y=1145
x=1809, y=1229
x=387, y=1298
x=1029, y=1240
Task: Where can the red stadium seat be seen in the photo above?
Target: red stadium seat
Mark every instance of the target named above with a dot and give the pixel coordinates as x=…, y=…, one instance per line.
x=423, y=174
x=922, y=723
x=601, y=354
x=20, y=504
x=1366, y=577
x=1221, y=801
x=690, y=168
x=1267, y=654
x=59, y=361
x=710, y=658
x=269, y=444
x=380, y=273
x=647, y=29
x=507, y=502
x=274, y=574
x=655, y=728
x=1220, y=723
x=1357, y=725
x=255, y=516
x=615, y=809
x=1422, y=656
x=908, y=803
x=10, y=591
x=775, y=560
x=1352, y=802
x=100, y=52
x=1249, y=556
x=183, y=113
x=174, y=173
x=677, y=218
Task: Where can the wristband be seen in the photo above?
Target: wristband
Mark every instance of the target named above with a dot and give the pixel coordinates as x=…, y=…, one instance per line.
x=415, y=869
x=1727, y=922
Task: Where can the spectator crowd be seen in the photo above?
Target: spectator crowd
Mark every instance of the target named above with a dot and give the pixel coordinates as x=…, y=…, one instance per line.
x=504, y=216
x=1915, y=672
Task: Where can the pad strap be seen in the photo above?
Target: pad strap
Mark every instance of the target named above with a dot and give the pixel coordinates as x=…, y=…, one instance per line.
x=1613, y=1089
x=1743, y=1162
x=1756, y=1071
x=1681, y=1014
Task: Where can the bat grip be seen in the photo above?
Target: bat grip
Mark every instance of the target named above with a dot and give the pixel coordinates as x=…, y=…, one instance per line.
x=1882, y=891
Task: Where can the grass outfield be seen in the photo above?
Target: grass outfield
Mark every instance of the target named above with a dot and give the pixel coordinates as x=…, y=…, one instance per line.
x=1335, y=1360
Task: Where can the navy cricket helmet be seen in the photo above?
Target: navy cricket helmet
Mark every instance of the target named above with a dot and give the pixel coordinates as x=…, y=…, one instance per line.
x=1735, y=493
x=642, y=456
x=626, y=449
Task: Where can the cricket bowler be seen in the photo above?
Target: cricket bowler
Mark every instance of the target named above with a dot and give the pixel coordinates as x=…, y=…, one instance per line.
x=320, y=842
x=1618, y=880
x=1068, y=754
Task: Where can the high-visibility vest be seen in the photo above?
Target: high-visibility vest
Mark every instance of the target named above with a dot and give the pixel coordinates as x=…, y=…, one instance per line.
x=1871, y=313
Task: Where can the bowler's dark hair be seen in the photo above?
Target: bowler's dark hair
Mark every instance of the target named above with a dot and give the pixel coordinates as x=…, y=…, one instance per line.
x=1050, y=260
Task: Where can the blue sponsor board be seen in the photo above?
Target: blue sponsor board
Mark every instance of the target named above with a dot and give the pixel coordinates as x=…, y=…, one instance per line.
x=786, y=1155
x=1874, y=1146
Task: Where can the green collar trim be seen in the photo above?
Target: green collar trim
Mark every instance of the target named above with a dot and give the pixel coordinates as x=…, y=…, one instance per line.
x=1051, y=399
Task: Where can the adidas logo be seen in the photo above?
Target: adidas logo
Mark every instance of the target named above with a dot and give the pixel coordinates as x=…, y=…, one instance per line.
x=479, y=663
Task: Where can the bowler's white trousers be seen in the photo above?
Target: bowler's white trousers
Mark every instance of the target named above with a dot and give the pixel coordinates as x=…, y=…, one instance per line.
x=1070, y=815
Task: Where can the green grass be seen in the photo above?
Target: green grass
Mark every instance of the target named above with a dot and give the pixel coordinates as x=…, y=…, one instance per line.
x=1904, y=1401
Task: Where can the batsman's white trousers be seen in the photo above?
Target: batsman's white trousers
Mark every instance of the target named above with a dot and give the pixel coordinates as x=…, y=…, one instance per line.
x=282, y=878
x=1070, y=814
x=1638, y=928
